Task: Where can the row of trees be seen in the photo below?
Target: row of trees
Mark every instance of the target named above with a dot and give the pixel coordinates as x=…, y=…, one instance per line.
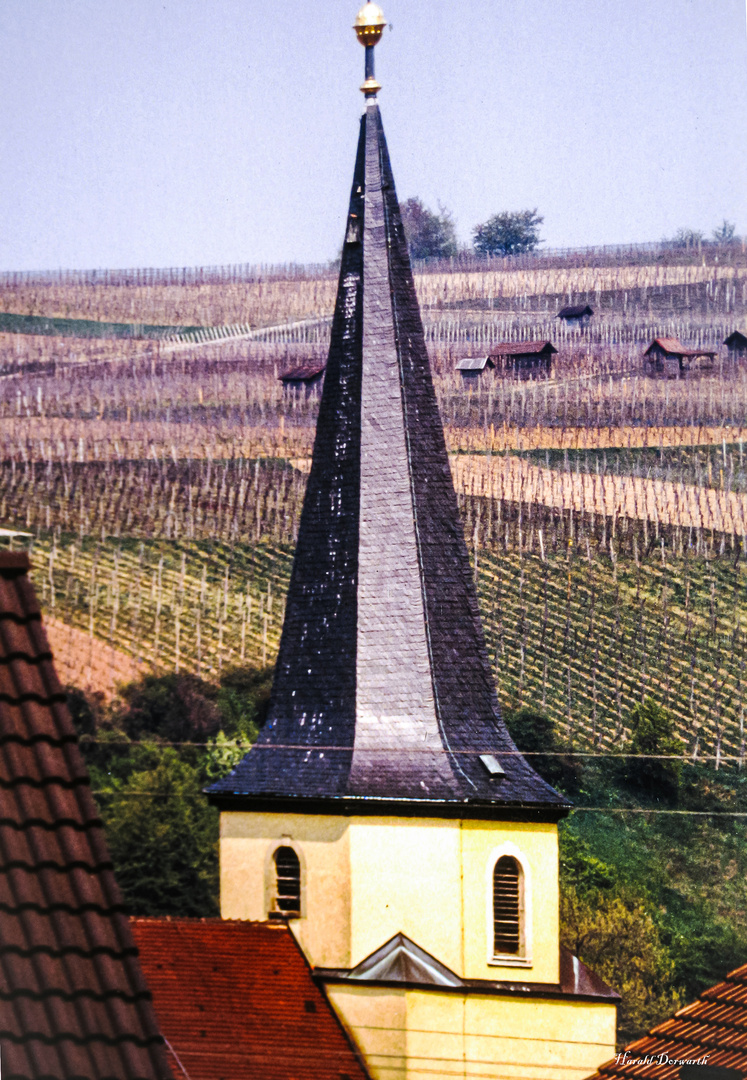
x=433, y=235
x=725, y=233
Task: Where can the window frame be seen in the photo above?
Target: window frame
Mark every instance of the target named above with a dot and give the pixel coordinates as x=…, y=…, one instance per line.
x=271, y=914
x=522, y=958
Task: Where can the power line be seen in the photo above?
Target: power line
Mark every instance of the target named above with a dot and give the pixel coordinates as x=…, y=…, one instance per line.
x=126, y=744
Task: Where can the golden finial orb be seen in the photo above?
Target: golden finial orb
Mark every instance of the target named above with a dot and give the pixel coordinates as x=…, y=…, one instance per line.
x=369, y=24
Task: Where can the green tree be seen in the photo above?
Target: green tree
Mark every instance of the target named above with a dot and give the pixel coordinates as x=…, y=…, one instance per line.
x=176, y=708
x=163, y=840
x=612, y=931
x=508, y=233
x=243, y=698
x=687, y=238
x=535, y=735
x=652, y=732
x=725, y=233
x=429, y=235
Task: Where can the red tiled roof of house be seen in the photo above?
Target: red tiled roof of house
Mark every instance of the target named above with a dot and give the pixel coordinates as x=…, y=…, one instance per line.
x=713, y=1027
x=522, y=348
x=236, y=1000
x=676, y=348
x=73, y=1002
x=303, y=372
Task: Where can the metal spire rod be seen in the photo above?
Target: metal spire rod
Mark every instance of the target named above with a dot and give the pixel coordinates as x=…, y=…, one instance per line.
x=369, y=26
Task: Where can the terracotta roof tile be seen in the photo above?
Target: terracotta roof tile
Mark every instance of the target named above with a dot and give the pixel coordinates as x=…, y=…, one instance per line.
x=303, y=372
x=675, y=348
x=522, y=348
x=714, y=1026
x=236, y=1001
x=73, y=1002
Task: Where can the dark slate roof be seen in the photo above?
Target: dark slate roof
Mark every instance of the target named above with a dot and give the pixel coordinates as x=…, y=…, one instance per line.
x=236, y=1001
x=401, y=961
x=737, y=340
x=523, y=348
x=383, y=693
x=713, y=1027
x=73, y=1001
x=574, y=311
x=303, y=373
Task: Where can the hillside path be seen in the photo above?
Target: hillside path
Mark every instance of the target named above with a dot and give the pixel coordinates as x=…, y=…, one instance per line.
x=665, y=501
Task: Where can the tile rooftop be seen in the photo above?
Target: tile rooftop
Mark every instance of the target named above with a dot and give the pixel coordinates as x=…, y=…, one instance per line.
x=73, y=1001
x=713, y=1027
x=236, y=1001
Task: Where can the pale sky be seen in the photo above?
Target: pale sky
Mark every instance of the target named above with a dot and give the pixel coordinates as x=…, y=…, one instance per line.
x=188, y=132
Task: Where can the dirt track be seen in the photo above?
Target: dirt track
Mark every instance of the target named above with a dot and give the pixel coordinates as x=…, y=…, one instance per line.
x=87, y=662
x=664, y=501
x=499, y=439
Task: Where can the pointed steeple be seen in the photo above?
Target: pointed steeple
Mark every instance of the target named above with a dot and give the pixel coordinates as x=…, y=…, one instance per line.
x=383, y=692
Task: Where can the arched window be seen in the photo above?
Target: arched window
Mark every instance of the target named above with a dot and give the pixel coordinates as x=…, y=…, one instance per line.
x=286, y=900
x=507, y=907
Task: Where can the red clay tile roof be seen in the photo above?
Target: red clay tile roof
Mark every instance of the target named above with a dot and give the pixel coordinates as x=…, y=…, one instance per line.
x=522, y=348
x=714, y=1027
x=676, y=348
x=236, y=1001
x=73, y=1002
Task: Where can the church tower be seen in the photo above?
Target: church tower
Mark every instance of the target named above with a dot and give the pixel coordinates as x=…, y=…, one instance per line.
x=384, y=810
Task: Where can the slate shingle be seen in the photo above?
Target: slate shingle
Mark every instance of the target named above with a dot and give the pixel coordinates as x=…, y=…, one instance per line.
x=383, y=691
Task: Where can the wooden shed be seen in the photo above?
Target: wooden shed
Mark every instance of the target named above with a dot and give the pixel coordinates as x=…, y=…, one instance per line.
x=305, y=380
x=668, y=356
x=736, y=343
x=472, y=367
x=577, y=316
x=527, y=359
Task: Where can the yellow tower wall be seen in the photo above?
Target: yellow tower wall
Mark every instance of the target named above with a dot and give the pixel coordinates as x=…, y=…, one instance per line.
x=368, y=878
x=418, y=1034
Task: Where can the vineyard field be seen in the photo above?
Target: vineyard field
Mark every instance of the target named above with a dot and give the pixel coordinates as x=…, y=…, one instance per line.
x=573, y=634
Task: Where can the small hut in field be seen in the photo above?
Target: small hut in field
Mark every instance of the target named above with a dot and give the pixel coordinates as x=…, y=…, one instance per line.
x=304, y=380
x=736, y=343
x=576, y=316
x=526, y=359
x=472, y=367
x=668, y=356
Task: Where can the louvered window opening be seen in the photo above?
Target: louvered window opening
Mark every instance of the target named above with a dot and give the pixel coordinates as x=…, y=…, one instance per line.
x=288, y=884
x=506, y=907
